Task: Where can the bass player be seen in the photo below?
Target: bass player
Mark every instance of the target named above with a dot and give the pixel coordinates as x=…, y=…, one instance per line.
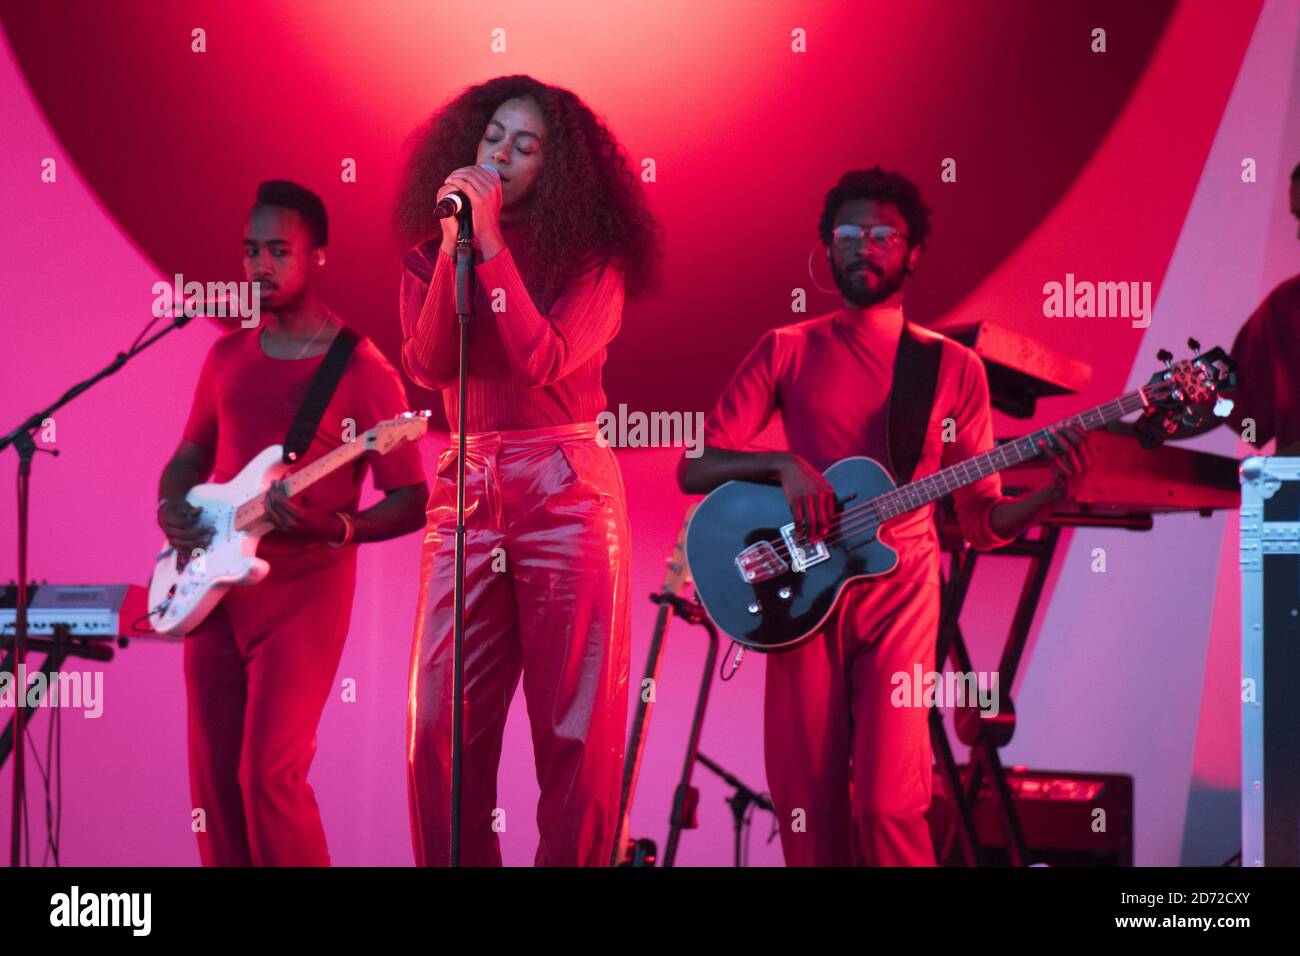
x=850, y=774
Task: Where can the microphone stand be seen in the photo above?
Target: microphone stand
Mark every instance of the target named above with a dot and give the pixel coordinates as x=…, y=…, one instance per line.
x=740, y=802
x=464, y=310
x=25, y=445
x=686, y=797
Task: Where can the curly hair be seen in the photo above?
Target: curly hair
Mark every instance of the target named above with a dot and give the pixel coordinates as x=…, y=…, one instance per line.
x=881, y=186
x=586, y=207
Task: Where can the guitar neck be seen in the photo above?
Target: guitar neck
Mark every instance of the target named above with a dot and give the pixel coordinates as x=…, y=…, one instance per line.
x=253, y=511
x=922, y=492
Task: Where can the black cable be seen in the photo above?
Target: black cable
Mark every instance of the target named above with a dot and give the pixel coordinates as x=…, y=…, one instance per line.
x=51, y=770
x=45, y=785
x=27, y=817
x=723, y=674
x=54, y=809
x=49, y=762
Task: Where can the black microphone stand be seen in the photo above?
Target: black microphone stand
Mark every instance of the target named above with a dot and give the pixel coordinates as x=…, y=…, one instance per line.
x=23, y=442
x=740, y=802
x=464, y=312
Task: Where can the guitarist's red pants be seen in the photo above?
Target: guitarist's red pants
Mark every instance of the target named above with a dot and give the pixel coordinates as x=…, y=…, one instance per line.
x=258, y=671
x=849, y=772
x=546, y=593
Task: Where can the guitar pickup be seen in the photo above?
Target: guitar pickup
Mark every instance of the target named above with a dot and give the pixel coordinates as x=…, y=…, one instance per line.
x=803, y=556
x=760, y=562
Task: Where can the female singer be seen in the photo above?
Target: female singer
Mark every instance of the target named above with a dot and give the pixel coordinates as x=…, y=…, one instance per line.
x=562, y=234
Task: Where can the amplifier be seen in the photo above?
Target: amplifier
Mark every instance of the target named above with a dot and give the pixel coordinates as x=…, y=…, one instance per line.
x=90, y=610
x=1059, y=816
x=1270, y=661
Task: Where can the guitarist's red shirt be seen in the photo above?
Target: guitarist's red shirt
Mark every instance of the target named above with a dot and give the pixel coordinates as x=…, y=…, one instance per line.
x=246, y=400
x=829, y=378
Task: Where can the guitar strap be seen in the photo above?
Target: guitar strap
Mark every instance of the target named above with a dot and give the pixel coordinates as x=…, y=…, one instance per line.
x=319, y=394
x=911, y=398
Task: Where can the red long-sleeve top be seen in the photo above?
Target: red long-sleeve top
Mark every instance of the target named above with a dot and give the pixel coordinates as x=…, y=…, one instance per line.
x=530, y=366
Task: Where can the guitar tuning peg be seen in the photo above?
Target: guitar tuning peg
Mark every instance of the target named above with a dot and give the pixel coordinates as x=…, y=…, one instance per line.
x=1195, y=346
x=1166, y=356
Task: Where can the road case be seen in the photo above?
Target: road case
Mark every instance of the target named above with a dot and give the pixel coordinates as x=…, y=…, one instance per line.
x=1270, y=662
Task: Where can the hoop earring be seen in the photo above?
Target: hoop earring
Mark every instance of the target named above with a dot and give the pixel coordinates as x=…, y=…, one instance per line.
x=813, y=278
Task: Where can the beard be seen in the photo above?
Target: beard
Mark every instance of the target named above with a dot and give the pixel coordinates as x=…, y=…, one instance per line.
x=854, y=287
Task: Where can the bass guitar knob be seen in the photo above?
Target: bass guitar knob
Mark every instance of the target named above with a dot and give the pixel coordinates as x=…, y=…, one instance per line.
x=753, y=608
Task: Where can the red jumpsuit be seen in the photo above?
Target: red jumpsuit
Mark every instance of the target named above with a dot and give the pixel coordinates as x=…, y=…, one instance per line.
x=849, y=773
x=546, y=574
x=259, y=669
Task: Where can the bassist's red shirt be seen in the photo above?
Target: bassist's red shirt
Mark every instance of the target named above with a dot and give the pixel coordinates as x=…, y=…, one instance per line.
x=829, y=378
x=246, y=400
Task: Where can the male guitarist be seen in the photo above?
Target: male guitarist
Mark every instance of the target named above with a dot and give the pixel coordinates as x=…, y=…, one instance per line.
x=850, y=774
x=259, y=668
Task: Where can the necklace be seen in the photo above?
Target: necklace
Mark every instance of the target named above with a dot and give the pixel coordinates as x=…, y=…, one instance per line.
x=319, y=329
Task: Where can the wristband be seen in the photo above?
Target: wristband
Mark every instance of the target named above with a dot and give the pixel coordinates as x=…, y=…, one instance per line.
x=348, y=529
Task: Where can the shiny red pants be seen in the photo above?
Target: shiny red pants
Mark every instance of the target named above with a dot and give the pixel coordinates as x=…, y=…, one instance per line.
x=258, y=671
x=546, y=593
x=850, y=773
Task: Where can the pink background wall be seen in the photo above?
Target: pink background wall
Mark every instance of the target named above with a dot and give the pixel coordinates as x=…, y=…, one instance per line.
x=1131, y=171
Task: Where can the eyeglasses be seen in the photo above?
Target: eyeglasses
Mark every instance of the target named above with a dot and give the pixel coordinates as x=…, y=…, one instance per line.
x=880, y=237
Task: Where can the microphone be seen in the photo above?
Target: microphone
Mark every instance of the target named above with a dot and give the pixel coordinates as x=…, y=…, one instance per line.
x=218, y=306
x=453, y=204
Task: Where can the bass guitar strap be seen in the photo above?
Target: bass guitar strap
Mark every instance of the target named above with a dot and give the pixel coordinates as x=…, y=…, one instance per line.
x=911, y=399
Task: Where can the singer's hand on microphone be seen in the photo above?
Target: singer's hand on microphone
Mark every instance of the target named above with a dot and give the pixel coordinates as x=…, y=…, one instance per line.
x=484, y=191
x=450, y=224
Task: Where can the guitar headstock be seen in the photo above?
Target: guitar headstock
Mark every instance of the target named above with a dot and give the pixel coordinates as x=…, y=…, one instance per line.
x=387, y=435
x=1188, y=394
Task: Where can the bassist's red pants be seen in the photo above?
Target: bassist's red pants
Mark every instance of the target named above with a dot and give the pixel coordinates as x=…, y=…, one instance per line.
x=546, y=593
x=258, y=671
x=849, y=772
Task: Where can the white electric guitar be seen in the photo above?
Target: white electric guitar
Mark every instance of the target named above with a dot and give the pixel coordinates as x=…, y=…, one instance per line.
x=185, y=588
